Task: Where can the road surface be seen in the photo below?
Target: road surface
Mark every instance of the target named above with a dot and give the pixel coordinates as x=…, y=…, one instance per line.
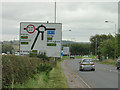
x=105, y=76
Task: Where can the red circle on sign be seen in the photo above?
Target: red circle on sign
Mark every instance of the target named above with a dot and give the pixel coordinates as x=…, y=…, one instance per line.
x=28, y=27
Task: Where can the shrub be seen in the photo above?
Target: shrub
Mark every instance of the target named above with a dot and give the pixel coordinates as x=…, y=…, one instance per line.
x=18, y=69
x=43, y=56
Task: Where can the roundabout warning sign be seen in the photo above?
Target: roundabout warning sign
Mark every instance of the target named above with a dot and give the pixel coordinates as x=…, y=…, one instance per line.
x=41, y=37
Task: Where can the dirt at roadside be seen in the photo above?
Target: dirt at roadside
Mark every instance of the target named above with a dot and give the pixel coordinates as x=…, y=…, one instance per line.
x=73, y=79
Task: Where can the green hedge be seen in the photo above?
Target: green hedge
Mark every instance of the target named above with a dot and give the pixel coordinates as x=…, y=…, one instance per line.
x=18, y=69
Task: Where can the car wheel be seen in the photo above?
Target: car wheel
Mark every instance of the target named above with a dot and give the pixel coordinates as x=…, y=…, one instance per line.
x=117, y=67
x=81, y=69
x=93, y=69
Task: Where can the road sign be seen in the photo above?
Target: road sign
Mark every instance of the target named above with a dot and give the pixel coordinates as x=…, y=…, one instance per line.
x=65, y=50
x=41, y=37
x=50, y=32
x=62, y=53
x=30, y=28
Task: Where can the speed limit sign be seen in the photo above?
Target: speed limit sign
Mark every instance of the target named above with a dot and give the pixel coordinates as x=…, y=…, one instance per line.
x=30, y=28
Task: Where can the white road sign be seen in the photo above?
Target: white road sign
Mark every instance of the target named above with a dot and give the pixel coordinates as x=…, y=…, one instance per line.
x=40, y=38
x=65, y=50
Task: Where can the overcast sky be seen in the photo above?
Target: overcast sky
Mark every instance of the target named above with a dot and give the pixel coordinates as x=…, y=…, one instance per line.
x=84, y=19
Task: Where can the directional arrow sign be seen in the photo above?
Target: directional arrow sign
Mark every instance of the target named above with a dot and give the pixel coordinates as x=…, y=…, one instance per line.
x=41, y=37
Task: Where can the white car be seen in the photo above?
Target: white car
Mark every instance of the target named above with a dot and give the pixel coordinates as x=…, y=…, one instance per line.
x=4, y=54
x=87, y=64
x=118, y=63
x=85, y=56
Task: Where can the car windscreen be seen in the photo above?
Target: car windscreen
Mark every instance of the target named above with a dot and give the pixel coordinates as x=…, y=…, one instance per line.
x=118, y=60
x=87, y=60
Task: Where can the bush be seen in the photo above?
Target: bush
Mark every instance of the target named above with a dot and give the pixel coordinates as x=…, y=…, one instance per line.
x=18, y=69
x=44, y=68
x=43, y=56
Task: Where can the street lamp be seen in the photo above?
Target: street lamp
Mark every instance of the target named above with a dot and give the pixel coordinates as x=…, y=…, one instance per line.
x=68, y=31
x=115, y=40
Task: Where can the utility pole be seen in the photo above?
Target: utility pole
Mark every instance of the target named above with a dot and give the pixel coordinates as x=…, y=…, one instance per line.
x=96, y=46
x=115, y=45
x=55, y=13
x=55, y=22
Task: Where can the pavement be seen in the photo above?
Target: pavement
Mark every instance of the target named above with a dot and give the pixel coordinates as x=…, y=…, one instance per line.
x=105, y=76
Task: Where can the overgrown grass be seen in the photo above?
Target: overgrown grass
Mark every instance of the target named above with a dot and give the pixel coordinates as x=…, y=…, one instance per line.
x=39, y=81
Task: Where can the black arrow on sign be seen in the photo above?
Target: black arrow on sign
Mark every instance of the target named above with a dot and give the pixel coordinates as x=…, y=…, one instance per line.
x=42, y=36
x=35, y=40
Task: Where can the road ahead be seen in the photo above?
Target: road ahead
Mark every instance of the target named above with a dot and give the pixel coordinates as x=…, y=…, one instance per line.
x=105, y=76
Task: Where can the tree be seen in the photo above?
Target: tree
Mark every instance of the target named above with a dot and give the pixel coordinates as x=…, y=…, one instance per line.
x=79, y=49
x=118, y=44
x=98, y=39
x=107, y=48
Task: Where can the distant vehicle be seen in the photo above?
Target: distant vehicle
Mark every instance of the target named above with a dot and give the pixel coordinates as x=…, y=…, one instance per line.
x=95, y=59
x=72, y=57
x=65, y=51
x=17, y=53
x=87, y=64
x=4, y=54
x=85, y=56
x=118, y=63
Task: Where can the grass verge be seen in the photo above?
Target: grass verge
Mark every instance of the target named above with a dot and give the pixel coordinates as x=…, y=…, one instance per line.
x=68, y=58
x=107, y=62
x=57, y=78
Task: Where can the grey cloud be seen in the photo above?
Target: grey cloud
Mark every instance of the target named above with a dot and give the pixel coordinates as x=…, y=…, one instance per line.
x=84, y=19
x=25, y=11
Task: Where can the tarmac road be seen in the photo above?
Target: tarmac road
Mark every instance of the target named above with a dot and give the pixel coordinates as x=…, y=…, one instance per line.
x=105, y=76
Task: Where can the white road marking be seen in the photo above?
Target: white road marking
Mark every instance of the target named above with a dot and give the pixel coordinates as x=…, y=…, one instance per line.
x=108, y=69
x=84, y=82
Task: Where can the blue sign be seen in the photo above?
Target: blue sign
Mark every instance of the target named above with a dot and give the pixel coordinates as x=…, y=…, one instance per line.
x=51, y=32
x=61, y=53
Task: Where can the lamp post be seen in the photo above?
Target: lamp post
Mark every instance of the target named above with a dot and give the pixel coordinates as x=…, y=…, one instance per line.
x=55, y=13
x=68, y=31
x=70, y=43
x=115, y=41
